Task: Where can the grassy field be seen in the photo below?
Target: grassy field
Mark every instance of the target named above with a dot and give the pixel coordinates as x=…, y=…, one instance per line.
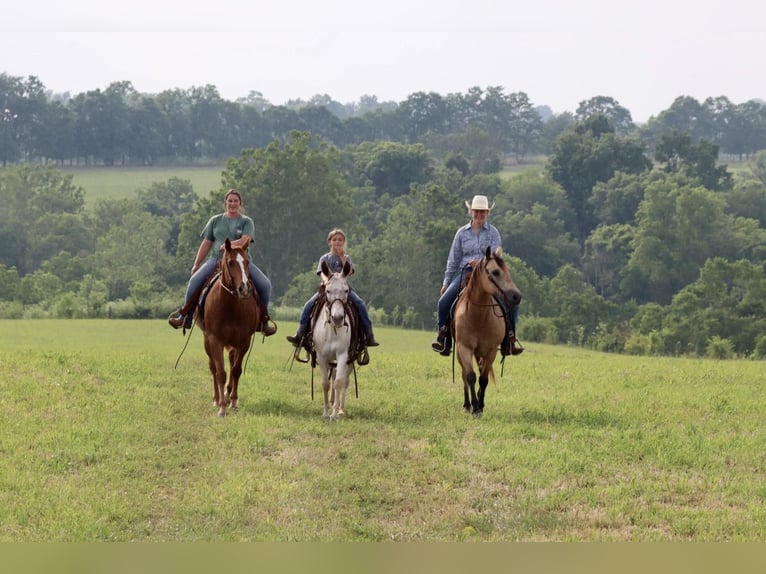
x=104, y=440
x=120, y=182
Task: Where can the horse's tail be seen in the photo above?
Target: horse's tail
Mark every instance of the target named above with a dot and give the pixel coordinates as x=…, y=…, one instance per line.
x=490, y=371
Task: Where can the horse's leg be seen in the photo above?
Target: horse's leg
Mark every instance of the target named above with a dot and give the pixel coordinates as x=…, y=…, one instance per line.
x=465, y=358
x=483, y=381
x=471, y=384
x=340, y=386
x=466, y=397
x=218, y=369
x=326, y=371
x=235, y=364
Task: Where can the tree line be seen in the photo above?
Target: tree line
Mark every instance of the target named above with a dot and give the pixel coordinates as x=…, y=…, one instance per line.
x=119, y=126
x=616, y=245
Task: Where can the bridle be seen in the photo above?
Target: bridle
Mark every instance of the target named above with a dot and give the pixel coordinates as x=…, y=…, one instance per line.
x=500, y=293
x=226, y=276
x=328, y=305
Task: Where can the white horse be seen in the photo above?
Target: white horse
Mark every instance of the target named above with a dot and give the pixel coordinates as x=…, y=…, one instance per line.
x=332, y=340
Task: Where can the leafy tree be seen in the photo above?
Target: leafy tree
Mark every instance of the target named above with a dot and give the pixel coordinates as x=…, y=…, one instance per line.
x=45, y=198
x=295, y=194
x=149, y=131
x=607, y=250
x=679, y=155
x=617, y=200
x=404, y=266
x=748, y=199
x=9, y=283
x=589, y=154
x=132, y=252
x=390, y=167
x=175, y=106
x=54, y=134
x=619, y=117
x=102, y=125
x=11, y=122
x=205, y=121
x=580, y=311
x=728, y=301
x=685, y=115
x=171, y=200
x=39, y=287
x=679, y=226
x=525, y=127
x=421, y=113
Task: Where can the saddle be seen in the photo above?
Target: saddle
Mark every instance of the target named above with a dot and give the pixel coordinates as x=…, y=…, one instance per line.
x=357, y=350
x=208, y=284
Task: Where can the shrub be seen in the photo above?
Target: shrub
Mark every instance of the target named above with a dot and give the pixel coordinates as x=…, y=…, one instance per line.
x=719, y=348
x=759, y=352
x=538, y=330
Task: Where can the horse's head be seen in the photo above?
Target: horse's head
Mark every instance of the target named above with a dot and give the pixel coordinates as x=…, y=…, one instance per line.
x=496, y=279
x=235, y=271
x=336, y=290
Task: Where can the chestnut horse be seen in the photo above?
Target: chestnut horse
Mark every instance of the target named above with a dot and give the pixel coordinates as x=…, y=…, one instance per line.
x=332, y=340
x=480, y=324
x=229, y=318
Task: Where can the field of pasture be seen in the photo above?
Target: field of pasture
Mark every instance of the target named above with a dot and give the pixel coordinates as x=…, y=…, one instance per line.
x=122, y=182
x=104, y=439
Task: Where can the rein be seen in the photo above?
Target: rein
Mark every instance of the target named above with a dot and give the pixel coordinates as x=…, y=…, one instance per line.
x=221, y=279
x=328, y=308
x=494, y=303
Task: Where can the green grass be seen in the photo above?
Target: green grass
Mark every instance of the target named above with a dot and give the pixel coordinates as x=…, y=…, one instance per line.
x=103, y=439
x=122, y=182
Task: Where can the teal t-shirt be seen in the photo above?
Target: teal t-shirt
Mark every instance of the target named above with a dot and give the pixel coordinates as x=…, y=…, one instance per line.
x=219, y=227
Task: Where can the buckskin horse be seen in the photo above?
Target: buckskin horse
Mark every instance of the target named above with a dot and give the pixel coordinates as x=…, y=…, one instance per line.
x=479, y=322
x=229, y=318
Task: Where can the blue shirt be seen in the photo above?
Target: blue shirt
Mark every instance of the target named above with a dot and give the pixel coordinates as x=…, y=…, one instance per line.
x=468, y=246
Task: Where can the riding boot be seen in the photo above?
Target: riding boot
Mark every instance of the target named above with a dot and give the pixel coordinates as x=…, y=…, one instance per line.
x=443, y=343
x=181, y=318
x=176, y=319
x=296, y=339
x=266, y=326
x=510, y=345
x=370, y=337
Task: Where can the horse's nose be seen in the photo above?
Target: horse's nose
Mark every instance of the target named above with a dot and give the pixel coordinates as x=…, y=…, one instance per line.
x=514, y=296
x=243, y=291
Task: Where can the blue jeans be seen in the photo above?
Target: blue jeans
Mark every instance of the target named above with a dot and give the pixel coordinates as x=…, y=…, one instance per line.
x=356, y=299
x=261, y=282
x=444, y=306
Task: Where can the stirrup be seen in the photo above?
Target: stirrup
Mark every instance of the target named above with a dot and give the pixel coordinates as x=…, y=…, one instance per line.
x=364, y=357
x=297, y=354
x=266, y=328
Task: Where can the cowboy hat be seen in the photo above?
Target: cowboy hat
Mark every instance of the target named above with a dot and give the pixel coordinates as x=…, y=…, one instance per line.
x=480, y=203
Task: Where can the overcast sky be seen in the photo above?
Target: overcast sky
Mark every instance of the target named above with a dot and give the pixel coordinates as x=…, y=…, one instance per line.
x=643, y=54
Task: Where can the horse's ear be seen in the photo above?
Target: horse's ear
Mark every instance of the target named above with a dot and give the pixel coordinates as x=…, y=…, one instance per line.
x=499, y=251
x=488, y=254
x=227, y=243
x=347, y=269
x=326, y=269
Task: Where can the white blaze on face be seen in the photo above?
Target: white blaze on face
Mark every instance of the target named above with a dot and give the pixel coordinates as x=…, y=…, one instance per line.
x=243, y=270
